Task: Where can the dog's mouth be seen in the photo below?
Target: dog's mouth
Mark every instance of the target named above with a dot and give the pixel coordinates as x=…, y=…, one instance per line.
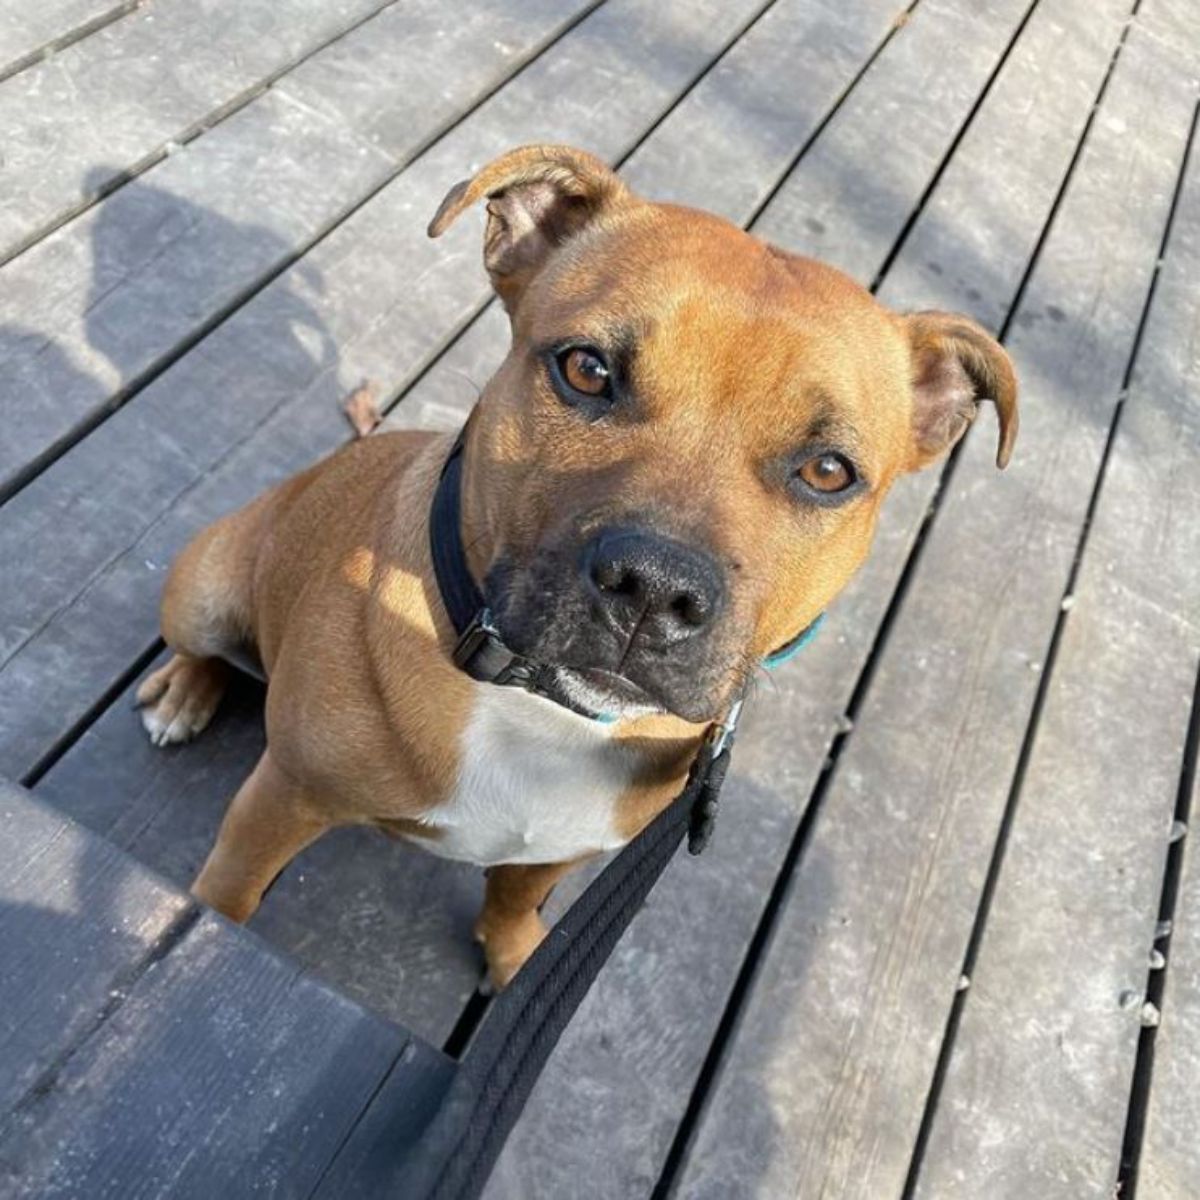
x=611, y=695
x=604, y=692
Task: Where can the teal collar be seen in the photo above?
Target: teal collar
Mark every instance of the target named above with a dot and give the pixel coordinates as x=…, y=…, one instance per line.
x=789, y=650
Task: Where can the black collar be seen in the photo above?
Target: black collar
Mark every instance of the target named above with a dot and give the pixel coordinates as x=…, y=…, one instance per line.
x=480, y=650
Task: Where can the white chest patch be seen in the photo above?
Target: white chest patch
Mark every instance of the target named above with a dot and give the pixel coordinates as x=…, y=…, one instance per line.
x=536, y=784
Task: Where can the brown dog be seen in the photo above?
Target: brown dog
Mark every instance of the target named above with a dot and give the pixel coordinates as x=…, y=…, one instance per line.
x=677, y=467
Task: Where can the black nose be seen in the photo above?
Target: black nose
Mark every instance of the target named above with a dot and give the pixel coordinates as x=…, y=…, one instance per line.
x=651, y=584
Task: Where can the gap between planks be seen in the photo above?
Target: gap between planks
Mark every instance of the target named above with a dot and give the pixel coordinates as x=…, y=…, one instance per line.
x=85, y=29
x=1156, y=979
x=1010, y=811
x=183, y=137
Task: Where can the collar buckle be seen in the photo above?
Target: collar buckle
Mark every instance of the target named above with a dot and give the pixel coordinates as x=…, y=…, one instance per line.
x=481, y=653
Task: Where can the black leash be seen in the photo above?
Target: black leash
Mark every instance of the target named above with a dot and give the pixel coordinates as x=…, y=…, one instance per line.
x=456, y=1151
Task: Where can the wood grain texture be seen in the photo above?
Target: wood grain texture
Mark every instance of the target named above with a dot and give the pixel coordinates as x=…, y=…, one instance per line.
x=900, y=120
x=225, y=1072
x=366, y=1165
x=78, y=920
x=95, y=307
x=1038, y=1086
x=823, y=1085
x=281, y=367
x=110, y=104
x=32, y=31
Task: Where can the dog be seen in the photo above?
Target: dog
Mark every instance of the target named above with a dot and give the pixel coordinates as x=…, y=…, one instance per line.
x=677, y=467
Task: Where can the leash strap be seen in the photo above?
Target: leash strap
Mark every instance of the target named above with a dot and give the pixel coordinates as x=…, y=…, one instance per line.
x=454, y=1155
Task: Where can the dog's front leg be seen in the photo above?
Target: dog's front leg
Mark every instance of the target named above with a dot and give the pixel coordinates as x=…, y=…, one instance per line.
x=510, y=927
x=270, y=820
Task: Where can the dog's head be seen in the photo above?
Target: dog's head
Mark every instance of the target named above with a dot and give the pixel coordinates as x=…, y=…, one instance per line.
x=681, y=461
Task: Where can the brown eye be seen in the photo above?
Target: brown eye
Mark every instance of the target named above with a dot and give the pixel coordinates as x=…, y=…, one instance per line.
x=827, y=473
x=585, y=371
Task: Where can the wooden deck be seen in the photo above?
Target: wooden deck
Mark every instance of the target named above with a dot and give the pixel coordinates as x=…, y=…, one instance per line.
x=947, y=941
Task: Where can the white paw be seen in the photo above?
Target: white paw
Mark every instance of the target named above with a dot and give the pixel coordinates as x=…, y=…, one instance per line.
x=178, y=700
x=172, y=730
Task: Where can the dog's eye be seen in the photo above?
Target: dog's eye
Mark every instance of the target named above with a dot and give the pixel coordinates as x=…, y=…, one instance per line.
x=585, y=372
x=826, y=473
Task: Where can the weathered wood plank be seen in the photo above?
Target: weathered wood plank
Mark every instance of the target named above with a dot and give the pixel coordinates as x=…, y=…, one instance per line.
x=355, y=891
x=90, y=310
x=78, y=920
x=1037, y=1089
x=643, y=1032
x=110, y=104
x=224, y=1072
x=31, y=31
x=1170, y=1164
x=823, y=1085
x=367, y=1163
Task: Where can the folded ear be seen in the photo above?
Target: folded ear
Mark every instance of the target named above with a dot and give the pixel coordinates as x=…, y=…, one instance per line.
x=955, y=364
x=538, y=197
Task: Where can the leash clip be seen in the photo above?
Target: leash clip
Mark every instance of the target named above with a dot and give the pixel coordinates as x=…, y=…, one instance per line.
x=708, y=775
x=720, y=735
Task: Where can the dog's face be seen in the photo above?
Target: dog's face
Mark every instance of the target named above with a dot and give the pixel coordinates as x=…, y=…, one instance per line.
x=682, y=459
